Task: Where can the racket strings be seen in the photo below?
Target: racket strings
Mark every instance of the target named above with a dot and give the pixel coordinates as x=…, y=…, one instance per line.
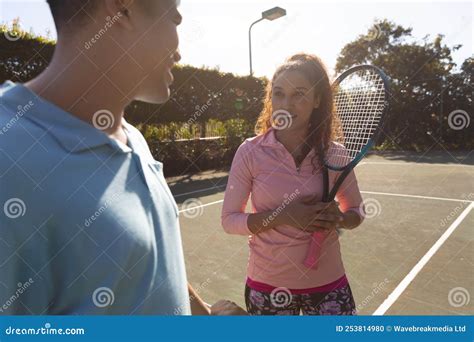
x=359, y=101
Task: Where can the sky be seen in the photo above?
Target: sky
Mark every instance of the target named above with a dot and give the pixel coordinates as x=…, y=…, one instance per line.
x=214, y=33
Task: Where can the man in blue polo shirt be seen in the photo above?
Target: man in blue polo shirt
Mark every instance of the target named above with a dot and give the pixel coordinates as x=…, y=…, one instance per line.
x=88, y=224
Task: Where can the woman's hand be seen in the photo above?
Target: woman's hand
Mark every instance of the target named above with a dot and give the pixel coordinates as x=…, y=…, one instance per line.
x=329, y=218
x=311, y=216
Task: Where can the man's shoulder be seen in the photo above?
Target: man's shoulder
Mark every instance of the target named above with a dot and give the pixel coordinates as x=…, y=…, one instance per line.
x=18, y=134
x=28, y=151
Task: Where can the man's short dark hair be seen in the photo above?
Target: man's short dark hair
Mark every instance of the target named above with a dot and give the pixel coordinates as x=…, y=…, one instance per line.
x=75, y=12
x=71, y=11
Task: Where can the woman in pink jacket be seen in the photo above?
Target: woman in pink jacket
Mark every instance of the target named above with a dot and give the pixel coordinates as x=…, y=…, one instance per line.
x=281, y=169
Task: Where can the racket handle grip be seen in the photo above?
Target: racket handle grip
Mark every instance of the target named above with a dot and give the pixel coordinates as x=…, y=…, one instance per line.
x=314, y=250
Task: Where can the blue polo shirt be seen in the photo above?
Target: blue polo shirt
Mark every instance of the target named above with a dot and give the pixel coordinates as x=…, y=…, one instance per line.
x=88, y=225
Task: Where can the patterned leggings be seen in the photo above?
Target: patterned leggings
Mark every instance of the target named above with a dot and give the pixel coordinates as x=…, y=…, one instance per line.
x=282, y=302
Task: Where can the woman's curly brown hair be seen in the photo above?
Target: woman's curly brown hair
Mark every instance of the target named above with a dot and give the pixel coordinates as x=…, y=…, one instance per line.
x=322, y=118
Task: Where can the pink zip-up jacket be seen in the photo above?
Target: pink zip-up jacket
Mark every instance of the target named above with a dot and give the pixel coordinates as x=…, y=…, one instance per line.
x=264, y=169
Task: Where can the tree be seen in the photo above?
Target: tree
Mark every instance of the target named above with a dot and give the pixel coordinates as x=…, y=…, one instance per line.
x=424, y=86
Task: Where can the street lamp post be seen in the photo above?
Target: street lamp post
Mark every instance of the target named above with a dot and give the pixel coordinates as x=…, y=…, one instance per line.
x=271, y=14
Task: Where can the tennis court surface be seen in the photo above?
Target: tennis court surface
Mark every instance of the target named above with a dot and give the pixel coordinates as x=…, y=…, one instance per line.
x=413, y=255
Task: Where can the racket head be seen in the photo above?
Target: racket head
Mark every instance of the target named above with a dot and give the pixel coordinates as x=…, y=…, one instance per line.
x=361, y=102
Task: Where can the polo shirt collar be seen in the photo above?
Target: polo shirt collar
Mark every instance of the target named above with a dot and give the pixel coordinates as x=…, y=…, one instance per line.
x=74, y=134
x=269, y=139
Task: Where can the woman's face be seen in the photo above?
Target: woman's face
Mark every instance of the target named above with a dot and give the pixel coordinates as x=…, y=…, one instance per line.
x=293, y=93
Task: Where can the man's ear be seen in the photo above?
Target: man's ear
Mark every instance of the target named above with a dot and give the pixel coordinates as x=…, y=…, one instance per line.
x=122, y=9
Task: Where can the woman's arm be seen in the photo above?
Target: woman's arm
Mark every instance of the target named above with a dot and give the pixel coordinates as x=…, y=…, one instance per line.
x=350, y=202
x=261, y=222
x=304, y=213
x=237, y=192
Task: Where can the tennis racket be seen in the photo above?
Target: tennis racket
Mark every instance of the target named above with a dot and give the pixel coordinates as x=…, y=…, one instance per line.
x=361, y=101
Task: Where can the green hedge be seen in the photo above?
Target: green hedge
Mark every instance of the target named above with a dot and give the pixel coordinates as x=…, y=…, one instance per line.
x=189, y=156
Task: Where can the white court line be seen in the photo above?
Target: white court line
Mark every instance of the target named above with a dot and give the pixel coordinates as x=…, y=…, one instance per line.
x=414, y=163
x=423, y=261
x=364, y=192
x=194, y=207
x=416, y=196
